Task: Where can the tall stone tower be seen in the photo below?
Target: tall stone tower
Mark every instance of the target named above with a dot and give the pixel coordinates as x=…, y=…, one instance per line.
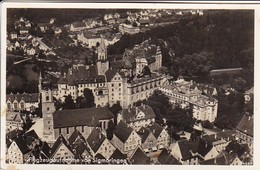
x=48, y=107
x=102, y=63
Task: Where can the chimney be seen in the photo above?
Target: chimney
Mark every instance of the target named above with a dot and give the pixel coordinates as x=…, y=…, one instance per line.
x=99, y=135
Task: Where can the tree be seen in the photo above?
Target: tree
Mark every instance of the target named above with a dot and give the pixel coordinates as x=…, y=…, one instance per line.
x=110, y=130
x=80, y=102
x=69, y=103
x=89, y=98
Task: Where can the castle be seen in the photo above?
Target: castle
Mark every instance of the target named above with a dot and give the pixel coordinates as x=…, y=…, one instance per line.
x=110, y=84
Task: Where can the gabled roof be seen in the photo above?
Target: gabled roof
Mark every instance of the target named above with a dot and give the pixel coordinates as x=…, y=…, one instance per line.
x=155, y=129
x=13, y=134
x=45, y=150
x=143, y=133
x=187, y=148
x=117, y=154
x=15, y=117
x=111, y=73
x=246, y=125
x=165, y=157
x=95, y=139
x=74, y=136
x=81, y=117
x=122, y=131
x=139, y=157
x=129, y=114
x=28, y=98
x=61, y=140
x=21, y=143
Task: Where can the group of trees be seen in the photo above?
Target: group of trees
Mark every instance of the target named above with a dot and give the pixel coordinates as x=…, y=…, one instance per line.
x=85, y=101
x=197, y=44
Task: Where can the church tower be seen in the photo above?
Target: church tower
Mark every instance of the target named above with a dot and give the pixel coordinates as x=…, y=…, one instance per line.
x=48, y=107
x=102, y=63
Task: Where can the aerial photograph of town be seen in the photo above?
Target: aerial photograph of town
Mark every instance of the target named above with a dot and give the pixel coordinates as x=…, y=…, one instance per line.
x=129, y=86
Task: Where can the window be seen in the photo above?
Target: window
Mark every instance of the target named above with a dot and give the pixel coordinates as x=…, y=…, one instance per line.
x=47, y=98
x=112, y=85
x=22, y=106
x=82, y=128
x=59, y=130
x=68, y=131
x=8, y=106
x=15, y=106
x=119, y=84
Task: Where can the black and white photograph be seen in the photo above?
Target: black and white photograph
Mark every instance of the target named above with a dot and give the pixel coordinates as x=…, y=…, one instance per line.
x=128, y=86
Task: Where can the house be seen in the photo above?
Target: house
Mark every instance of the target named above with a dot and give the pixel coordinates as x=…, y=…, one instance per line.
x=27, y=24
x=30, y=51
x=118, y=157
x=77, y=26
x=18, y=151
x=24, y=101
x=223, y=158
x=108, y=16
x=148, y=139
x=128, y=29
x=42, y=26
x=13, y=35
x=245, y=131
x=61, y=150
x=161, y=135
x=139, y=157
x=57, y=30
x=79, y=145
x=52, y=20
x=166, y=158
x=125, y=138
x=41, y=152
x=11, y=135
x=99, y=144
x=24, y=31
x=137, y=116
x=220, y=139
x=191, y=152
x=14, y=120
x=21, y=147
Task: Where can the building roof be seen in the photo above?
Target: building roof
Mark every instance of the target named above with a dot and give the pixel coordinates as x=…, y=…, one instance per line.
x=14, y=133
x=75, y=136
x=122, y=131
x=165, y=157
x=155, y=129
x=21, y=143
x=45, y=150
x=139, y=157
x=81, y=117
x=15, y=117
x=95, y=139
x=130, y=114
x=78, y=143
x=82, y=74
x=111, y=73
x=117, y=154
x=187, y=148
x=28, y=98
x=143, y=133
x=246, y=125
x=61, y=140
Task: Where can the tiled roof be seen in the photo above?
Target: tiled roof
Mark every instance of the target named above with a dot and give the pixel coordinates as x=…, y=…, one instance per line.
x=129, y=115
x=82, y=75
x=28, y=98
x=187, y=147
x=122, y=131
x=78, y=143
x=246, y=124
x=15, y=117
x=74, y=136
x=139, y=157
x=61, y=140
x=111, y=73
x=13, y=134
x=95, y=139
x=155, y=129
x=81, y=117
x=21, y=143
x=117, y=154
x=165, y=157
x=143, y=133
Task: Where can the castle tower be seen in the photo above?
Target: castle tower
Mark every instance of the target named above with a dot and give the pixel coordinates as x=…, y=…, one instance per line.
x=102, y=63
